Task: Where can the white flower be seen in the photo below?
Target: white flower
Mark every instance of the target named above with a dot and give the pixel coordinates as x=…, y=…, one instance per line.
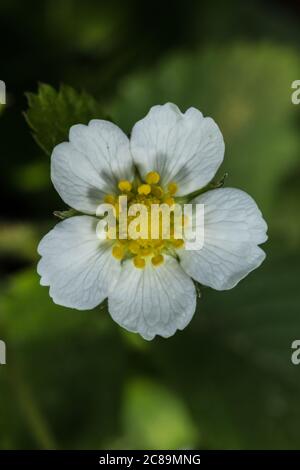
x=149, y=285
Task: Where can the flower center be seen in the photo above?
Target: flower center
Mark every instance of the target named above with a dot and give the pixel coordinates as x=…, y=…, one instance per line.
x=146, y=195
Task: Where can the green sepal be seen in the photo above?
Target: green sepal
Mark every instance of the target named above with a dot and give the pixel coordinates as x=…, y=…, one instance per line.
x=67, y=214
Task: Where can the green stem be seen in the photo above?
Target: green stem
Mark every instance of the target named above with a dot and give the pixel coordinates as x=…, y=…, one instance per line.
x=67, y=214
x=30, y=409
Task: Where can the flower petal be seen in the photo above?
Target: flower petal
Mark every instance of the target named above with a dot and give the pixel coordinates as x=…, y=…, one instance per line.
x=78, y=267
x=184, y=148
x=153, y=301
x=233, y=227
x=90, y=165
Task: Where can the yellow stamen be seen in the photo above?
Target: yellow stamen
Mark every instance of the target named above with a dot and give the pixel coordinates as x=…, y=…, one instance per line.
x=125, y=185
x=146, y=192
x=157, y=260
x=158, y=243
x=139, y=262
x=134, y=247
x=170, y=201
x=153, y=177
x=110, y=199
x=172, y=187
x=178, y=243
x=145, y=251
x=157, y=191
x=144, y=189
x=118, y=252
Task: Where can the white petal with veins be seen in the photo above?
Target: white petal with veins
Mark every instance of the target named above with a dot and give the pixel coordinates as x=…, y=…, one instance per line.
x=233, y=227
x=90, y=165
x=154, y=300
x=185, y=148
x=82, y=269
x=78, y=267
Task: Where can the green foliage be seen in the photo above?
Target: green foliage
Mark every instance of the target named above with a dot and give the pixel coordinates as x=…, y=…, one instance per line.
x=75, y=381
x=96, y=27
x=34, y=177
x=226, y=381
x=235, y=371
x=153, y=417
x=19, y=240
x=51, y=113
x=65, y=371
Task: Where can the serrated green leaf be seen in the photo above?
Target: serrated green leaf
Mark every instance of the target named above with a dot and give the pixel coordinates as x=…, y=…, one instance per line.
x=51, y=113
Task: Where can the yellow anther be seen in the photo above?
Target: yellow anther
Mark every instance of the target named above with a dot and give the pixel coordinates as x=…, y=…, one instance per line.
x=145, y=251
x=144, y=189
x=139, y=262
x=134, y=247
x=144, y=248
x=157, y=191
x=178, y=243
x=157, y=260
x=153, y=177
x=110, y=199
x=172, y=187
x=125, y=185
x=170, y=201
x=118, y=252
x=158, y=243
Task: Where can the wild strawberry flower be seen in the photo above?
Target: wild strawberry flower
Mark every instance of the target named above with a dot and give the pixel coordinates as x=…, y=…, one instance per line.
x=170, y=157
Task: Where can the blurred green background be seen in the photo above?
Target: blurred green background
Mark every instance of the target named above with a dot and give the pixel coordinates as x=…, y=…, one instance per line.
x=75, y=380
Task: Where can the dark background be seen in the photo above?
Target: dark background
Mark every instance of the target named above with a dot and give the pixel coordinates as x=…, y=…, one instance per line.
x=75, y=379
